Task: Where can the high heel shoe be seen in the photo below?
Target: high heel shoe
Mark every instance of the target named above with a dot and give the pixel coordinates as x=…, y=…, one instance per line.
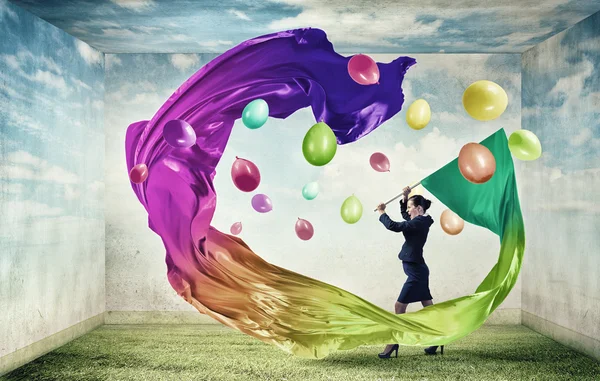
x=389, y=354
x=432, y=350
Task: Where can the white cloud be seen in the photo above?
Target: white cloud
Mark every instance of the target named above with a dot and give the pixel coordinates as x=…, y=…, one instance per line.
x=11, y=61
x=111, y=60
x=81, y=84
x=354, y=25
x=71, y=192
x=147, y=29
x=98, y=104
x=5, y=10
x=89, y=54
x=181, y=37
x=185, y=61
x=135, y=5
x=18, y=210
x=212, y=44
x=119, y=32
x=544, y=188
x=239, y=14
x=12, y=188
x=51, y=80
x=51, y=65
x=23, y=165
x=96, y=186
x=584, y=135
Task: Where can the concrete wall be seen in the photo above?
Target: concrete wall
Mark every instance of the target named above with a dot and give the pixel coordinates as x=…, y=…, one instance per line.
x=361, y=258
x=51, y=186
x=561, y=198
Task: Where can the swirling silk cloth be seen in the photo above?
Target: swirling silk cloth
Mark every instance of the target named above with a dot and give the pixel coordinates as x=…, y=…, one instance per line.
x=220, y=275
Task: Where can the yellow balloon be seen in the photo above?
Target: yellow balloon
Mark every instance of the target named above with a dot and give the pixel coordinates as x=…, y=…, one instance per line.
x=485, y=100
x=351, y=210
x=418, y=190
x=418, y=114
x=524, y=145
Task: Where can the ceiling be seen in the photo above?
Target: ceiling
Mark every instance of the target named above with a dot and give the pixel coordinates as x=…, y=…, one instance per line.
x=375, y=26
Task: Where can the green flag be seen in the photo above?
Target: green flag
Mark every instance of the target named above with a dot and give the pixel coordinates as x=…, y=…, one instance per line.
x=493, y=205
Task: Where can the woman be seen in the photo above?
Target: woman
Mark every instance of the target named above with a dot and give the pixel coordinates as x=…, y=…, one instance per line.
x=415, y=230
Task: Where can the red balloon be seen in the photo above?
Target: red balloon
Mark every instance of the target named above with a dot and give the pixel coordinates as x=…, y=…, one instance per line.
x=476, y=163
x=379, y=162
x=363, y=69
x=138, y=174
x=245, y=175
x=236, y=228
x=304, y=229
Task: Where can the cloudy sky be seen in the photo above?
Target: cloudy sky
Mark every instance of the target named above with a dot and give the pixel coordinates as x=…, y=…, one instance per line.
x=51, y=111
x=561, y=105
x=380, y=26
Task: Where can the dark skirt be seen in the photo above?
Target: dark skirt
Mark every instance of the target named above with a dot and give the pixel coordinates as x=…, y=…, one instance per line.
x=416, y=287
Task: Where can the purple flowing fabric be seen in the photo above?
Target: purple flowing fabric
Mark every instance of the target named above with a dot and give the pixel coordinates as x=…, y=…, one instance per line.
x=216, y=272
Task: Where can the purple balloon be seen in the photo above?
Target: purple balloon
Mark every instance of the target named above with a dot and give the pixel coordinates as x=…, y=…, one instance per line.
x=262, y=203
x=179, y=134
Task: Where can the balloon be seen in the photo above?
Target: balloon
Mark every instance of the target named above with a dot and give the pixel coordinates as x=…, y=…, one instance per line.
x=304, y=229
x=418, y=190
x=310, y=190
x=418, y=114
x=379, y=162
x=245, y=175
x=255, y=114
x=524, y=145
x=485, y=100
x=476, y=163
x=363, y=69
x=236, y=228
x=451, y=222
x=179, y=134
x=351, y=210
x=138, y=174
x=262, y=203
x=319, y=144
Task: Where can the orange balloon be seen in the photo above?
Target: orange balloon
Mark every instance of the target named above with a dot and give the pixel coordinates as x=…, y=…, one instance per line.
x=451, y=222
x=476, y=163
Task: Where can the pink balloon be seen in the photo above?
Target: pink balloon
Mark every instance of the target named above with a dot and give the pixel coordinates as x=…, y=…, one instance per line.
x=245, y=175
x=138, y=174
x=379, y=162
x=363, y=69
x=304, y=229
x=236, y=228
x=262, y=203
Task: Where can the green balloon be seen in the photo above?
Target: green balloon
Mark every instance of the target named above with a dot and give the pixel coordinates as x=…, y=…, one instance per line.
x=319, y=144
x=351, y=210
x=310, y=191
x=255, y=114
x=524, y=145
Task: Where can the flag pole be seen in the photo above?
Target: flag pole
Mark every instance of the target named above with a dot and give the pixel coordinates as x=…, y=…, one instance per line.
x=411, y=188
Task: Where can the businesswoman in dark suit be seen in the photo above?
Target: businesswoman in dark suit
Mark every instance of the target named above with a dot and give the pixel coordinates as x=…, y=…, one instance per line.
x=415, y=230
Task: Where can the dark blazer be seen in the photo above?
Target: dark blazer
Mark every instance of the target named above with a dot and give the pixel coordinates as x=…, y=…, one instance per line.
x=415, y=234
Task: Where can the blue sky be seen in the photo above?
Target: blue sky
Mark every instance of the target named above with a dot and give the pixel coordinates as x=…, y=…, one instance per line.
x=51, y=111
x=561, y=96
x=415, y=26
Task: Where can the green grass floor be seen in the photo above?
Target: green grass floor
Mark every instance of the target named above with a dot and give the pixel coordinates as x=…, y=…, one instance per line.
x=214, y=352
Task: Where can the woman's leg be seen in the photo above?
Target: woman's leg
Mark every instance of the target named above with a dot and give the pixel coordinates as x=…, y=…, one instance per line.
x=430, y=350
x=399, y=308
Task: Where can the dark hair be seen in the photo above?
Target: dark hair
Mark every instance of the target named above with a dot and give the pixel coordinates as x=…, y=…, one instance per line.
x=421, y=201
